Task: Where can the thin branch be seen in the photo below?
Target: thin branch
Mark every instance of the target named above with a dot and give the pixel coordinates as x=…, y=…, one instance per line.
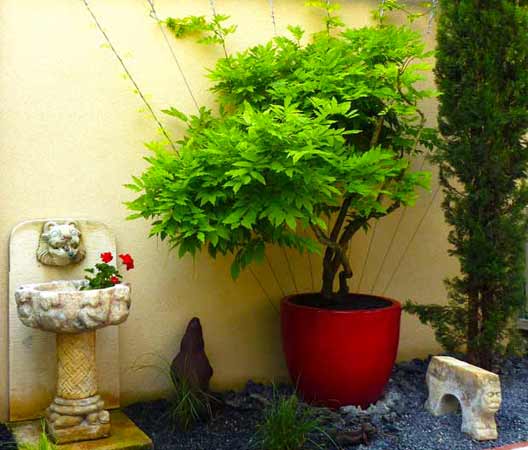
x=264, y=290
x=404, y=253
x=377, y=132
x=328, y=17
x=330, y=252
x=339, y=250
x=394, y=234
x=389, y=248
x=311, y=271
x=382, y=9
x=290, y=269
x=340, y=219
x=131, y=78
x=274, y=275
x=368, y=254
x=432, y=14
x=155, y=16
x=322, y=237
x=219, y=34
x=401, y=71
x=447, y=185
x=273, y=21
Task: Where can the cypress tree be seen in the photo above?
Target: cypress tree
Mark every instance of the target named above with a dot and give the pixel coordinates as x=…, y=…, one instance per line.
x=482, y=75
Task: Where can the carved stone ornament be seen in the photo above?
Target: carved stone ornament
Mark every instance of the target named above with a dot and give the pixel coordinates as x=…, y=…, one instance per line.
x=478, y=392
x=60, y=244
x=61, y=307
x=77, y=413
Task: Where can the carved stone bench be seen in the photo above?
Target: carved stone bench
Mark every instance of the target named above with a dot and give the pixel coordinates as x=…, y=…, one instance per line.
x=452, y=383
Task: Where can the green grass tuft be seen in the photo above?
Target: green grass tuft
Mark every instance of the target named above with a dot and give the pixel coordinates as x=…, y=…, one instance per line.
x=44, y=442
x=189, y=404
x=287, y=425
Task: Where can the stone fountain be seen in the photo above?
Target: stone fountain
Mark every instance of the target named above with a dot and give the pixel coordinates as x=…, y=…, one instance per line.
x=44, y=250
x=77, y=413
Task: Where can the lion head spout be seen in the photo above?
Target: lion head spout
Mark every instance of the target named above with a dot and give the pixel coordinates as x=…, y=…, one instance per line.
x=60, y=244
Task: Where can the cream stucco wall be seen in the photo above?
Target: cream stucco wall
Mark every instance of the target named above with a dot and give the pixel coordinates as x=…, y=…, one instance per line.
x=71, y=134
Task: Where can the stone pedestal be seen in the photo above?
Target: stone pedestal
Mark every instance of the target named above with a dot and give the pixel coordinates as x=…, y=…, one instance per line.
x=77, y=413
x=73, y=313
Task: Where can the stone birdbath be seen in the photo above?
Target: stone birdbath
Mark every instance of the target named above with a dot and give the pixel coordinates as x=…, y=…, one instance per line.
x=77, y=412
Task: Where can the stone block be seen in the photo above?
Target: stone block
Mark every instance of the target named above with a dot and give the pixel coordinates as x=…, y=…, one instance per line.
x=124, y=435
x=453, y=383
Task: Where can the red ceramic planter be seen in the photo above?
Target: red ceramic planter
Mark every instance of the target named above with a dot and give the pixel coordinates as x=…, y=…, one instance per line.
x=339, y=358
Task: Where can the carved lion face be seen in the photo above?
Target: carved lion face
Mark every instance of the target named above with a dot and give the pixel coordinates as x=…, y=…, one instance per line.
x=60, y=244
x=491, y=398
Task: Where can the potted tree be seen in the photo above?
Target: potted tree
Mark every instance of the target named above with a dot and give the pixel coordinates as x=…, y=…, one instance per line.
x=306, y=133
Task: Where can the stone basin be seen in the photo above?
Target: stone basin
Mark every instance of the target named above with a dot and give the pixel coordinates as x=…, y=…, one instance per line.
x=77, y=412
x=62, y=307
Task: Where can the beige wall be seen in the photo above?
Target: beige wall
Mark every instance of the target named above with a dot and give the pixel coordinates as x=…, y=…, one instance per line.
x=71, y=134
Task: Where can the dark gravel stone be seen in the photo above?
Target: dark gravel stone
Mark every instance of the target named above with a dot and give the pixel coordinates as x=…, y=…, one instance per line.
x=229, y=429
x=399, y=418
x=7, y=442
x=415, y=429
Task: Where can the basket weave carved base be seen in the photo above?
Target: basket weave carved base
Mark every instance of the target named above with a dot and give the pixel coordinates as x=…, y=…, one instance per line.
x=77, y=413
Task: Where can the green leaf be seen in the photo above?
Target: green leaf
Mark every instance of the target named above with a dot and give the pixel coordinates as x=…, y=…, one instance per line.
x=235, y=270
x=297, y=32
x=176, y=113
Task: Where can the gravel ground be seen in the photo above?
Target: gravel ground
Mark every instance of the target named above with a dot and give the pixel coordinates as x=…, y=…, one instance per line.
x=6, y=440
x=400, y=419
x=410, y=427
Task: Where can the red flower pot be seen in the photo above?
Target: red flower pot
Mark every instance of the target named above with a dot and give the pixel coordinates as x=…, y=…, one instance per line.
x=340, y=357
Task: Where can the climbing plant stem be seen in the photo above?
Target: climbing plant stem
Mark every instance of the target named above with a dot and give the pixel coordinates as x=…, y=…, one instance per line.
x=129, y=74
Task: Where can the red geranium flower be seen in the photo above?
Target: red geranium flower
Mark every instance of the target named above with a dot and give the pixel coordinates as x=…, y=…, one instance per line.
x=127, y=261
x=114, y=279
x=107, y=257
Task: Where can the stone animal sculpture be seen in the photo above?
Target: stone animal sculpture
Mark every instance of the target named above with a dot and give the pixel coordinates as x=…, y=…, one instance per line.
x=478, y=392
x=192, y=363
x=60, y=244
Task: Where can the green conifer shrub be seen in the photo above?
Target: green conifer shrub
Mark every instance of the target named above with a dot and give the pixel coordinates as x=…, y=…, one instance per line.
x=482, y=75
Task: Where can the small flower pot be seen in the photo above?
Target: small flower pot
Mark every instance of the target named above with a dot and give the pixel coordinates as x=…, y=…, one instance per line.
x=338, y=356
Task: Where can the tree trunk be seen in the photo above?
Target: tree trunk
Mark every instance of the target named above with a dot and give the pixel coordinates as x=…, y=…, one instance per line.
x=486, y=348
x=329, y=274
x=473, y=328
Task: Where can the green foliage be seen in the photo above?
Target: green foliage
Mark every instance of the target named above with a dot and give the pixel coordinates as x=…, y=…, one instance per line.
x=286, y=425
x=303, y=132
x=188, y=404
x=482, y=73
x=332, y=20
x=210, y=32
x=103, y=274
x=385, y=7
